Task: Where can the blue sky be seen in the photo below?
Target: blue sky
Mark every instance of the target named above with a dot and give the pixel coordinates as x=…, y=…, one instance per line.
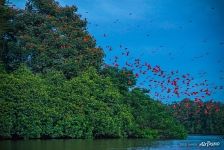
x=184, y=35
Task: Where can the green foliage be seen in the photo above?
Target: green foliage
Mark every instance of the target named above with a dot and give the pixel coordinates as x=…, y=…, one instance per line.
x=53, y=84
x=87, y=106
x=150, y=114
x=6, y=14
x=22, y=99
x=50, y=37
x=123, y=79
x=200, y=117
x=3, y=17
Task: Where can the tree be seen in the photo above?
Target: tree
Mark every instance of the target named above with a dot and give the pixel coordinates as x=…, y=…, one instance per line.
x=52, y=37
x=54, y=85
x=199, y=117
x=152, y=117
x=6, y=29
x=122, y=78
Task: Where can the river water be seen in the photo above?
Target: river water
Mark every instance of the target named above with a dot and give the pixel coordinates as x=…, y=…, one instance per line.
x=193, y=142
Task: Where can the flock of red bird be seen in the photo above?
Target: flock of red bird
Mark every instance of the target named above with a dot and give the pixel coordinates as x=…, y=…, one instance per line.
x=162, y=85
x=171, y=83
x=166, y=85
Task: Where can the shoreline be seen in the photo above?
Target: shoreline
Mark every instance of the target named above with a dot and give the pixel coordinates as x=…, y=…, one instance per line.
x=108, y=138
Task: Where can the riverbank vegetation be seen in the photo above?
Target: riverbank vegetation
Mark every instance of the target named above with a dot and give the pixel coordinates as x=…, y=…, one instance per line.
x=86, y=106
x=200, y=117
x=54, y=83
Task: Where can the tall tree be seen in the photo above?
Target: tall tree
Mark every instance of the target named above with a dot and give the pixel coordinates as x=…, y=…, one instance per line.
x=4, y=26
x=200, y=117
x=51, y=37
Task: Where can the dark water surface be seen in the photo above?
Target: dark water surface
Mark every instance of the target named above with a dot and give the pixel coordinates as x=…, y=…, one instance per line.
x=193, y=142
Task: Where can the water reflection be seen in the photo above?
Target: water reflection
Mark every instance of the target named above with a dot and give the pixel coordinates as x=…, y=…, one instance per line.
x=192, y=142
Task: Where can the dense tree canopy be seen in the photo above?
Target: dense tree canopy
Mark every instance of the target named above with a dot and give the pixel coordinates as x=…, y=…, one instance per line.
x=51, y=37
x=200, y=117
x=86, y=106
x=6, y=30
